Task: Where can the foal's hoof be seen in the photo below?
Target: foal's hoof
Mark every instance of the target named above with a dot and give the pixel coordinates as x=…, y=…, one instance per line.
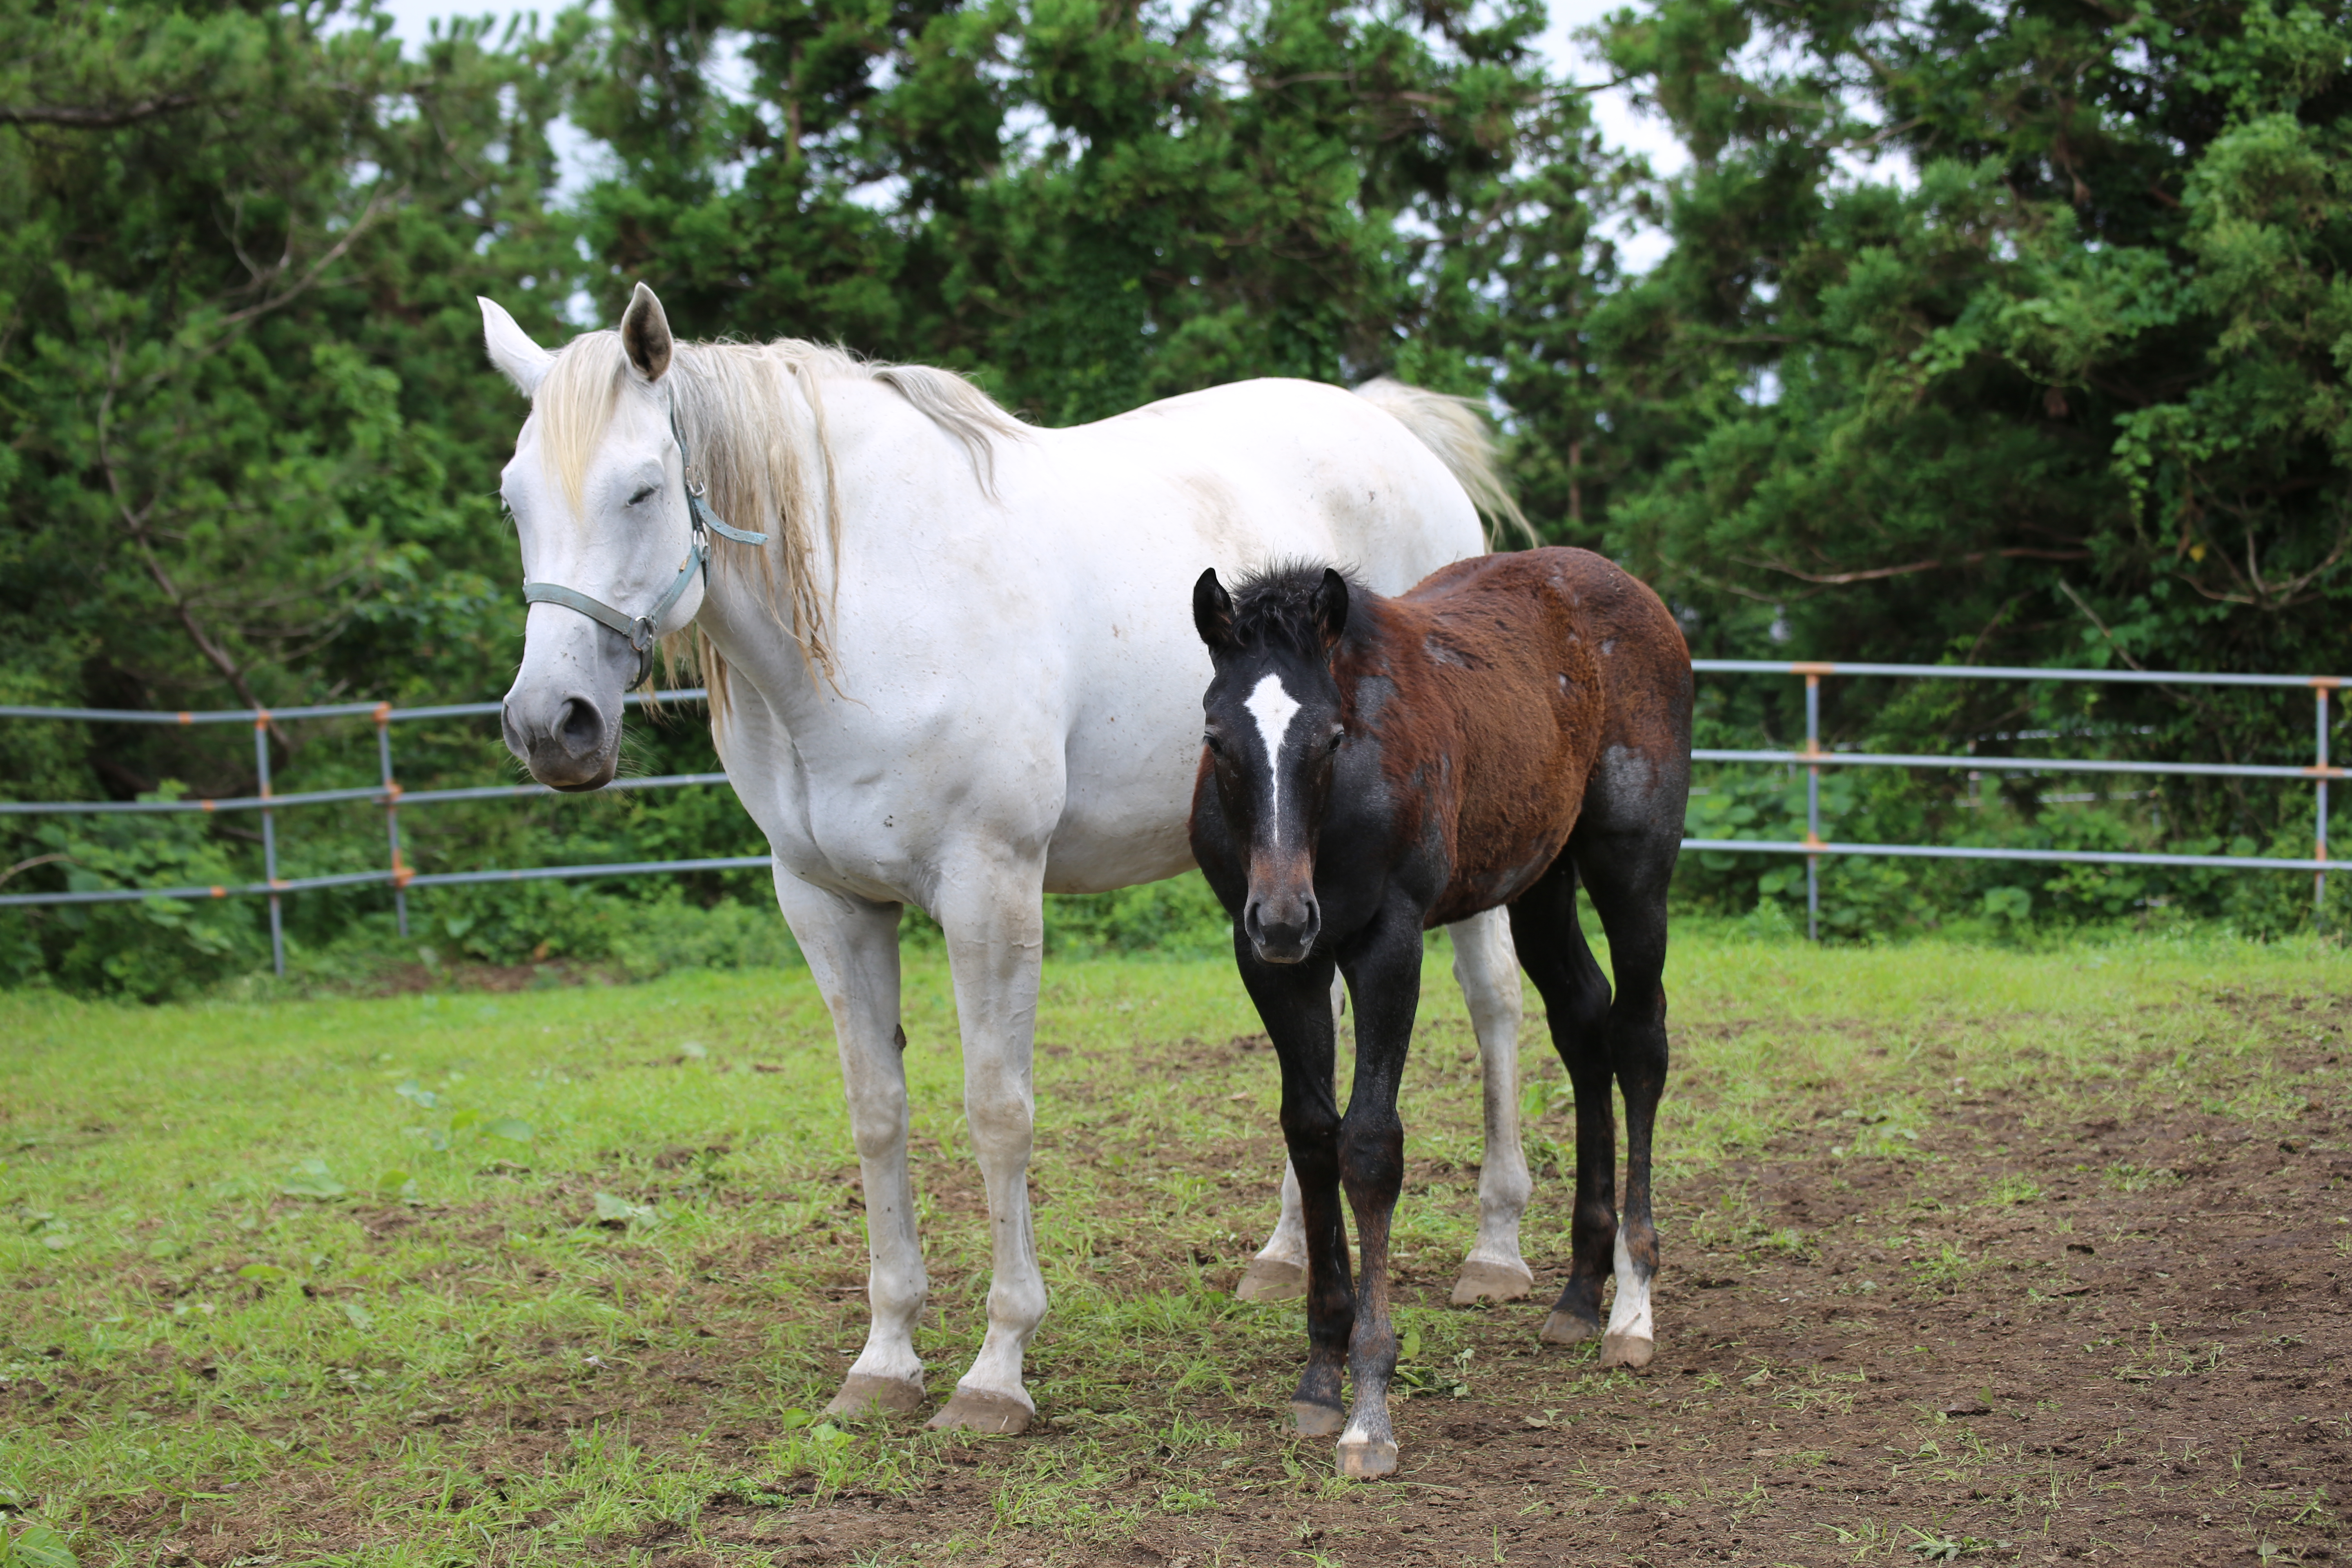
x=1481, y=1281
x=1364, y=1460
x=1271, y=1280
x=975, y=1410
x=863, y=1394
x=1568, y=1329
x=1317, y=1420
x=1627, y=1350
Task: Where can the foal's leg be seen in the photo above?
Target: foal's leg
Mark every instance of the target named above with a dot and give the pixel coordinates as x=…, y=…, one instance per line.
x=851, y=948
x=1278, y=1272
x=1628, y=877
x=1292, y=1000
x=1551, y=945
x=991, y=910
x=1383, y=967
x=1488, y=973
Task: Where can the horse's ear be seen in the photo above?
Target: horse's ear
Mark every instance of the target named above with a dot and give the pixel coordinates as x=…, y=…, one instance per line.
x=1212, y=611
x=1331, y=608
x=645, y=333
x=511, y=350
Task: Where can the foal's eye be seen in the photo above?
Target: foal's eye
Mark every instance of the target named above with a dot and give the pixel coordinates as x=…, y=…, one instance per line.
x=1338, y=740
x=643, y=495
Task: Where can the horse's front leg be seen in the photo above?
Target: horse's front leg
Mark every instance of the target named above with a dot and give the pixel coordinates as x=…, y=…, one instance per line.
x=1278, y=1272
x=1488, y=969
x=992, y=909
x=1383, y=969
x=1292, y=1000
x=851, y=948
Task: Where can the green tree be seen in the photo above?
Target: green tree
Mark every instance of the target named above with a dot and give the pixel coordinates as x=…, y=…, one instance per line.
x=1090, y=204
x=2075, y=394
x=252, y=444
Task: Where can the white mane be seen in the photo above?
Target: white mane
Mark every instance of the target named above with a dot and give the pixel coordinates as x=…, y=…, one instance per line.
x=735, y=408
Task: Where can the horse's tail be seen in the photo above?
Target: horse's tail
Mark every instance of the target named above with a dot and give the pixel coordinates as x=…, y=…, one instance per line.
x=1455, y=429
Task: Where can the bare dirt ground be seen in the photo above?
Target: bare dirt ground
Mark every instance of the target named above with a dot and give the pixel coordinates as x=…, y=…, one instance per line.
x=2144, y=1362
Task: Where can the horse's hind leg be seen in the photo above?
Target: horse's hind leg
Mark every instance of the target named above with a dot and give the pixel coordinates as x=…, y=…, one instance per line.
x=1627, y=875
x=852, y=947
x=1552, y=949
x=1488, y=973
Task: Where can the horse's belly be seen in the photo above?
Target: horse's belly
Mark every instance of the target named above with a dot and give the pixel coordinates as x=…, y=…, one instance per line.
x=1128, y=805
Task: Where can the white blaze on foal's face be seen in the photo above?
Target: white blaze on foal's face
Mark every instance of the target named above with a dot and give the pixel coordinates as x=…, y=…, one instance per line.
x=1273, y=707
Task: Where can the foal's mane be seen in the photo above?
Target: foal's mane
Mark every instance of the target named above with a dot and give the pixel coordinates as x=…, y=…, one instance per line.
x=767, y=467
x=1274, y=605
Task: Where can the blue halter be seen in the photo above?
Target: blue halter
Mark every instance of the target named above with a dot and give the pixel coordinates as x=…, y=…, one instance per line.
x=641, y=630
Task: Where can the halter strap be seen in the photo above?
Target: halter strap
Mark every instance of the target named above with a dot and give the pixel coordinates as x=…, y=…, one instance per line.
x=642, y=630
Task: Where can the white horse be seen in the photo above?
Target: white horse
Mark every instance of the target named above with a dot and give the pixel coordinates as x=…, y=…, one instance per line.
x=952, y=664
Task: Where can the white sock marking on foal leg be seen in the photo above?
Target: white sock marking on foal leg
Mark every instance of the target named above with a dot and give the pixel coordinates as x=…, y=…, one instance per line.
x=1632, y=1336
x=1273, y=707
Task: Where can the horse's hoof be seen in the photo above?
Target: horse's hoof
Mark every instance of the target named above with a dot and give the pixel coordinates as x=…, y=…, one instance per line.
x=1481, y=1281
x=1271, y=1280
x=863, y=1394
x=975, y=1410
x=1317, y=1420
x=1567, y=1329
x=1365, y=1460
x=1627, y=1350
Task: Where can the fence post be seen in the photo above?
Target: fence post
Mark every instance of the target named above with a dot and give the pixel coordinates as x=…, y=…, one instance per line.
x=391, y=815
x=269, y=843
x=2320, y=689
x=1813, y=805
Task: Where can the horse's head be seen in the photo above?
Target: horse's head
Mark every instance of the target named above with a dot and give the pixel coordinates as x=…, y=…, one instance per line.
x=1274, y=726
x=610, y=553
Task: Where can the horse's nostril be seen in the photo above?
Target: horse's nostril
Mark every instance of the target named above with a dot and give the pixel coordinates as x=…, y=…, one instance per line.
x=580, y=727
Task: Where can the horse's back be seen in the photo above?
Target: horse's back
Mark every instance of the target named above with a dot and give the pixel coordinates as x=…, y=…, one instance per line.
x=1275, y=468
x=1566, y=684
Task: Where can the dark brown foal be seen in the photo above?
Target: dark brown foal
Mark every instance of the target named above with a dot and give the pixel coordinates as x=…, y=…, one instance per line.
x=1375, y=767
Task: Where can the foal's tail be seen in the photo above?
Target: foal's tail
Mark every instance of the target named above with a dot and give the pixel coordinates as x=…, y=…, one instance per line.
x=1455, y=429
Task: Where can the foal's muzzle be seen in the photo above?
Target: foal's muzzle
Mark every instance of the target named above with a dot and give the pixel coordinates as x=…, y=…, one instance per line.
x=1281, y=925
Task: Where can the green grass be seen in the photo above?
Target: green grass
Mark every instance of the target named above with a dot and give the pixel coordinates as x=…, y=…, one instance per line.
x=518, y=1278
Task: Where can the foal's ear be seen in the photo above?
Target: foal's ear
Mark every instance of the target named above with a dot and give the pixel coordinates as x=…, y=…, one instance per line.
x=645, y=333
x=1331, y=608
x=1212, y=611
x=523, y=362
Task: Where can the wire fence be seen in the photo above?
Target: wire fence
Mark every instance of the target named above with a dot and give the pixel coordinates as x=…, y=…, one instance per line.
x=393, y=799
x=1813, y=759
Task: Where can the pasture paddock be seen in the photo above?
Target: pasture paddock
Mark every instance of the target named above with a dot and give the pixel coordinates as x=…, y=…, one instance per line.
x=1981, y=1254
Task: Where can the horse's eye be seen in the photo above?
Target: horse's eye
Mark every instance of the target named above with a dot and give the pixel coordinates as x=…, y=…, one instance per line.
x=1213, y=744
x=1338, y=740
x=642, y=496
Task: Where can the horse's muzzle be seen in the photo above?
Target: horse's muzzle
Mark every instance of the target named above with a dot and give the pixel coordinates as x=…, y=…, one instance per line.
x=568, y=742
x=1283, y=925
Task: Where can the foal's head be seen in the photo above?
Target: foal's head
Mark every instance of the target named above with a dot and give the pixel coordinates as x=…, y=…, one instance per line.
x=1273, y=730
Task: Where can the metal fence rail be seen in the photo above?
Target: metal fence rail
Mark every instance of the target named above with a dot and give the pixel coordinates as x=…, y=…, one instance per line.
x=1813, y=760
x=389, y=795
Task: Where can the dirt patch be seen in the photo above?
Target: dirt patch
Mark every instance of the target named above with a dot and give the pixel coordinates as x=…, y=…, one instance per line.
x=2143, y=1362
